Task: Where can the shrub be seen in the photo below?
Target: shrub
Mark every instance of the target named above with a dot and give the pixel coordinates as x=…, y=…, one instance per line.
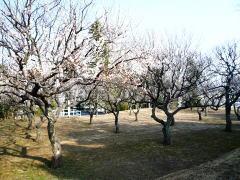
x=123, y=106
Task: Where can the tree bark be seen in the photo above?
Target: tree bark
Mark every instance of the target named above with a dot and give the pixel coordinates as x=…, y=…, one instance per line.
x=166, y=129
x=116, y=122
x=171, y=119
x=55, y=143
x=228, y=127
x=166, y=134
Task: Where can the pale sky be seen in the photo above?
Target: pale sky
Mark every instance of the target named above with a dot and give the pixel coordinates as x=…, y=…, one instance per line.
x=209, y=22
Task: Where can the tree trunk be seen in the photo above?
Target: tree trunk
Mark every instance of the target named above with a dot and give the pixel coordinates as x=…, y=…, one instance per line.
x=136, y=113
x=199, y=115
x=237, y=112
x=228, y=127
x=91, y=117
x=206, y=111
x=171, y=119
x=199, y=111
x=166, y=134
x=130, y=109
x=116, y=123
x=55, y=143
x=166, y=129
x=228, y=118
x=166, y=125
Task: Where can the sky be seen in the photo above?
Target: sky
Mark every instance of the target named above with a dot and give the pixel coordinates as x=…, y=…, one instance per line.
x=209, y=22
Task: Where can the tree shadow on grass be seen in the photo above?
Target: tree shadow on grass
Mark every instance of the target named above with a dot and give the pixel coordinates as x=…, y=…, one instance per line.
x=21, y=152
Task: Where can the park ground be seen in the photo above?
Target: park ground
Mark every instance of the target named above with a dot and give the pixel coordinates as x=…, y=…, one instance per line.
x=96, y=152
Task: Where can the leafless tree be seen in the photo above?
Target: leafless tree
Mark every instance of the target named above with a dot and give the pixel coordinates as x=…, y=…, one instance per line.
x=227, y=71
x=173, y=72
x=136, y=97
x=113, y=93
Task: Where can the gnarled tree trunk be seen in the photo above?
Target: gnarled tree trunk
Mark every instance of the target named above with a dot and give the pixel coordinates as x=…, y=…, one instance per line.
x=166, y=126
x=55, y=143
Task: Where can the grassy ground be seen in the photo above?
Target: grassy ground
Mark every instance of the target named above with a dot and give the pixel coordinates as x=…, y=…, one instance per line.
x=225, y=167
x=95, y=152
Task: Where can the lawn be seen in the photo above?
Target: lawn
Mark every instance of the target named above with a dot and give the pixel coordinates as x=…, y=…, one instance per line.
x=95, y=152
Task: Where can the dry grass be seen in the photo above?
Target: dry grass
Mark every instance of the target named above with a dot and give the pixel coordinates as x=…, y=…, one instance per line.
x=95, y=152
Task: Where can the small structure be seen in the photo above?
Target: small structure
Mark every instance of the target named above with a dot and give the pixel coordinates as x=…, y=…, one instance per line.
x=71, y=112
